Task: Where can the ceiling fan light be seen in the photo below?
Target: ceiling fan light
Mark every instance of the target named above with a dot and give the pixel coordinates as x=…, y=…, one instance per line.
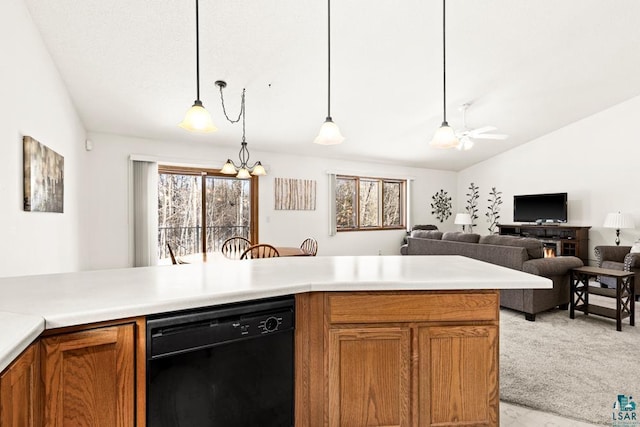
x=198, y=119
x=228, y=168
x=329, y=134
x=444, y=137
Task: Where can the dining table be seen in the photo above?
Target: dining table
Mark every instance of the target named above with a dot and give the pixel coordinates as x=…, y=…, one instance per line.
x=291, y=251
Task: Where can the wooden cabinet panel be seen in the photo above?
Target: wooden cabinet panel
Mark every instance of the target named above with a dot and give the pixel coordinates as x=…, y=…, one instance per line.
x=369, y=378
x=363, y=307
x=89, y=378
x=20, y=391
x=458, y=375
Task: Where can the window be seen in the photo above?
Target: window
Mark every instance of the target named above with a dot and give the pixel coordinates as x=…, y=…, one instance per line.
x=369, y=203
x=199, y=209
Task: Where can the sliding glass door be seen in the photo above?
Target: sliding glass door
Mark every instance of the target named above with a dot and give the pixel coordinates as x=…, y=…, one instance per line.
x=199, y=209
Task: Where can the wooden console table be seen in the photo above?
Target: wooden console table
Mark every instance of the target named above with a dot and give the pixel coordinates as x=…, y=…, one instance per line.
x=569, y=240
x=624, y=293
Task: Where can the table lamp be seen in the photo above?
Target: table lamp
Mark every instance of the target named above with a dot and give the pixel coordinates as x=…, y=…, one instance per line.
x=463, y=219
x=618, y=221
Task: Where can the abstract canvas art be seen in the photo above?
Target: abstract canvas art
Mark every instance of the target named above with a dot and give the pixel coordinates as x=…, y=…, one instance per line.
x=43, y=178
x=295, y=194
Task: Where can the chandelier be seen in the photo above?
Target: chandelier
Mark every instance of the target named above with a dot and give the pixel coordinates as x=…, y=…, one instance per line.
x=243, y=170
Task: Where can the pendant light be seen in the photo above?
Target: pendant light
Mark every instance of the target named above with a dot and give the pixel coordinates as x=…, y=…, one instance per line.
x=243, y=170
x=197, y=118
x=444, y=137
x=329, y=132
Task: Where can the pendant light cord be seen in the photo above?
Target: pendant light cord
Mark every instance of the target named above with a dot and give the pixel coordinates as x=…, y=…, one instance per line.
x=444, y=65
x=197, y=55
x=328, y=58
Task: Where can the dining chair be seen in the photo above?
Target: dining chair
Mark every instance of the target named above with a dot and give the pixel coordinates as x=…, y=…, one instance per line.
x=174, y=260
x=262, y=250
x=235, y=246
x=310, y=246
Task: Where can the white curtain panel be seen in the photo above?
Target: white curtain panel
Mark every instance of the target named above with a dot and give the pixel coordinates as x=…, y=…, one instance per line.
x=145, y=213
x=332, y=204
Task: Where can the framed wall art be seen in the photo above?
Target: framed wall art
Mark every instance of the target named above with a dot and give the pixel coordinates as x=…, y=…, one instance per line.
x=295, y=194
x=43, y=178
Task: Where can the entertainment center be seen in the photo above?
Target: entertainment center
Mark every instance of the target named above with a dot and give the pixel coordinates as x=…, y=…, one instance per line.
x=562, y=240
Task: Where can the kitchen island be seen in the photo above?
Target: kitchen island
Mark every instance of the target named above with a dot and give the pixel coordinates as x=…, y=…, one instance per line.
x=429, y=314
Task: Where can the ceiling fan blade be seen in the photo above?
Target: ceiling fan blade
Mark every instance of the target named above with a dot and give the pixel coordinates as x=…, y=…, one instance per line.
x=483, y=129
x=491, y=136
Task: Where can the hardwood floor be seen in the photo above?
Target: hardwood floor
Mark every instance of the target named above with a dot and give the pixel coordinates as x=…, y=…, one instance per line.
x=519, y=416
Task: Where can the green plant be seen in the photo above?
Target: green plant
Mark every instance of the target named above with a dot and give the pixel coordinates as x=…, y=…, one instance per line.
x=495, y=200
x=441, y=205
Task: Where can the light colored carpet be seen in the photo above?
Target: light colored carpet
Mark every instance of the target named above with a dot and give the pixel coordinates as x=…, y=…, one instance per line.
x=574, y=368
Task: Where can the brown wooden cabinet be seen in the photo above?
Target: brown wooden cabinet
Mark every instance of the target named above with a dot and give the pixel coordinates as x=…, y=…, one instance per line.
x=20, y=391
x=397, y=358
x=88, y=377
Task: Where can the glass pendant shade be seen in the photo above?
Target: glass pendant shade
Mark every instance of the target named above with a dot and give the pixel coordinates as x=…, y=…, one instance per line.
x=228, y=168
x=444, y=137
x=198, y=119
x=258, y=170
x=329, y=134
x=243, y=173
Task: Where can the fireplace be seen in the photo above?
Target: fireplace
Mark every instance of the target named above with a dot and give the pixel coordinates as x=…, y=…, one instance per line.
x=550, y=249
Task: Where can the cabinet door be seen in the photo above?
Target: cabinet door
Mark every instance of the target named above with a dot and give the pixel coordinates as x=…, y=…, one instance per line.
x=89, y=378
x=20, y=391
x=458, y=375
x=369, y=377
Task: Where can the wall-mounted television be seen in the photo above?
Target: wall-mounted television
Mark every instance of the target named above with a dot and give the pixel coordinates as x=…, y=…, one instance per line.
x=536, y=207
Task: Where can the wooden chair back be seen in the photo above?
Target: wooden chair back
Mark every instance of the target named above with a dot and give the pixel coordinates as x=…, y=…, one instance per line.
x=262, y=250
x=174, y=260
x=234, y=247
x=310, y=246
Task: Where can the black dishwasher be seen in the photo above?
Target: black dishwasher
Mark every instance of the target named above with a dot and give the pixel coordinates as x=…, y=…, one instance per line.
x=227, y=366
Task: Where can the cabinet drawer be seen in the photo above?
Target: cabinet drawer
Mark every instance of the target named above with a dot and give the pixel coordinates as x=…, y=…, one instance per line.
x=382, y=307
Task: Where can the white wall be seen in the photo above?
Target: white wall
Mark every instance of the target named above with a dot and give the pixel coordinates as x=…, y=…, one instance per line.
x=105, y=195
x=34, y=102
x=594, y=160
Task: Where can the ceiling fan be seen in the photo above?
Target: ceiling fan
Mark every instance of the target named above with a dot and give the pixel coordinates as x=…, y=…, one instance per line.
x=466, y=136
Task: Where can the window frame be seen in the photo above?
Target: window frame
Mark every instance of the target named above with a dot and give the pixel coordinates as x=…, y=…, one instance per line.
x=381, y=182
x=207, y=172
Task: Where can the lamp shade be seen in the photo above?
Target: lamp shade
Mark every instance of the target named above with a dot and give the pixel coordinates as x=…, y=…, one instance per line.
x=259, y=170
x=329, y=134
x=462, y=219
x=198, y=119
x=243, y=173
x=444, y=137
x=618, y=221
x=228, y=168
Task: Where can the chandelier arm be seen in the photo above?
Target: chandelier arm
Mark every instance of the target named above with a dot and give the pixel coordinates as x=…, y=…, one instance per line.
x=224, y=110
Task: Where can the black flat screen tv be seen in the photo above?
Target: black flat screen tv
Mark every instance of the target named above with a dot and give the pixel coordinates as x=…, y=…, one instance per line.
x=544, y=207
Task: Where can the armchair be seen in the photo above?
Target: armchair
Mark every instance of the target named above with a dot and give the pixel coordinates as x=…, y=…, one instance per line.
x=618, y=258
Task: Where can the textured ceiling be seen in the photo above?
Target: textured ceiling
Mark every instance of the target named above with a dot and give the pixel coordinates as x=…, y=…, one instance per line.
x=528, y=68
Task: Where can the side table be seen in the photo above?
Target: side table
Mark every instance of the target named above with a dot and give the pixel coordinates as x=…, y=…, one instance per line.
x=624, y=294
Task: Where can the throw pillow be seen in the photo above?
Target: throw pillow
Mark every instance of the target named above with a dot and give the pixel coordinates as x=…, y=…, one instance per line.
x=457, y=236
x=635, y=248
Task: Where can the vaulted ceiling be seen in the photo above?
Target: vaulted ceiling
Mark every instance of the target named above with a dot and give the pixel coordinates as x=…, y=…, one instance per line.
x=528, y=67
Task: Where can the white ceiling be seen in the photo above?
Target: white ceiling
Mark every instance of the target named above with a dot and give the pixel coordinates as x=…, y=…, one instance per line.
x=528, y=67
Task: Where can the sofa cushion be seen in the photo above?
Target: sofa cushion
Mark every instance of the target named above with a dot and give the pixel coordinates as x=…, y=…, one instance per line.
x=550, y=267
x=533, y=246
x=424, y=227
x=457, y=236
x=427, y=234
x=613, y=265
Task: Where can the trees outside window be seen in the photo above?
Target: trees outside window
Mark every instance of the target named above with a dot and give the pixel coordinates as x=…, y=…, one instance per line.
x=369, y=203
x=199, y=209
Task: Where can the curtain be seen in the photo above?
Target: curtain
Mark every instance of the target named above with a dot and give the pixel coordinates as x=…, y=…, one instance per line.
x=145, y=213
x=332, y=204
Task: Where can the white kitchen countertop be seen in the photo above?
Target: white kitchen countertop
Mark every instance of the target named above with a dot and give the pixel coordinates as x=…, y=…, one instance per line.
x=69, y=299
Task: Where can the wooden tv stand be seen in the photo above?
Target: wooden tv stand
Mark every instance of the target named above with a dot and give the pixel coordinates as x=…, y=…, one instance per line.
x=569, y=240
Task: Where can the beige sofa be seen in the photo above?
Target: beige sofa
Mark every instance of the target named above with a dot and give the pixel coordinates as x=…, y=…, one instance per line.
x=519, y=253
